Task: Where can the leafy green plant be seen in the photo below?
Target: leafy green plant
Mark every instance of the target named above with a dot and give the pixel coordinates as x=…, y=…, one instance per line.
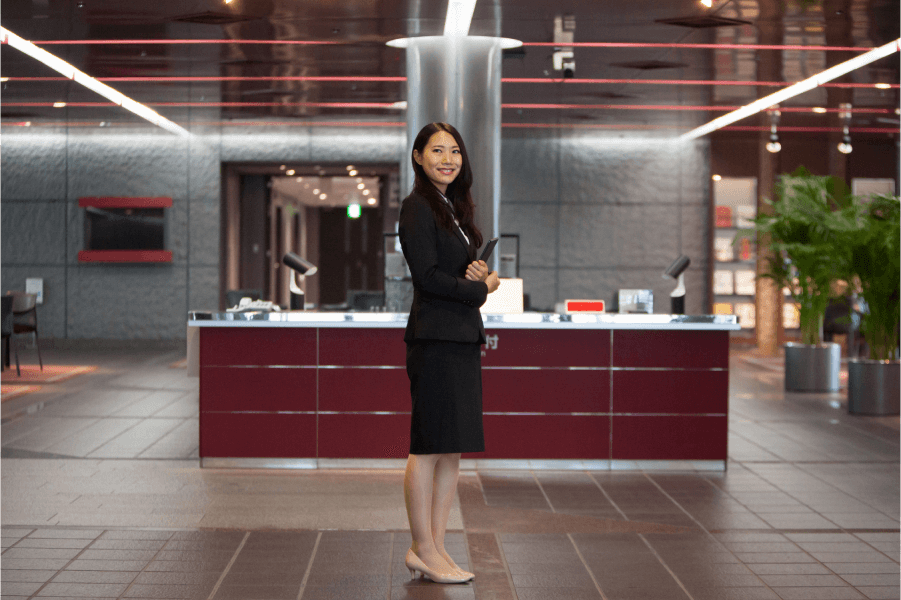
x=875, y=251
x=803, y=233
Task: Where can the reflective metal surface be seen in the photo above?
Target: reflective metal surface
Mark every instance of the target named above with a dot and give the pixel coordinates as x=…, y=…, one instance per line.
x=812, y=368
x=520, y=321
x=874, y=387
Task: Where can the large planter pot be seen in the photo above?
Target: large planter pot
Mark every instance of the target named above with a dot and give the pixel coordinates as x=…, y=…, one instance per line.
x=812, y=368
x=874, y=387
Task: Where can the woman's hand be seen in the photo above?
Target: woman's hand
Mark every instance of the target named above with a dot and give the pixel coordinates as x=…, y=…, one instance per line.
x=493, y=282
x=477, y=271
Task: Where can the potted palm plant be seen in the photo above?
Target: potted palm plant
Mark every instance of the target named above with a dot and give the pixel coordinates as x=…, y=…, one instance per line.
x=875, y=255
x=806, y=260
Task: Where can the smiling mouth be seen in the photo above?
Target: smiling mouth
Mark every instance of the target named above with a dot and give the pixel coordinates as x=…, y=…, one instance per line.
x=446, y=171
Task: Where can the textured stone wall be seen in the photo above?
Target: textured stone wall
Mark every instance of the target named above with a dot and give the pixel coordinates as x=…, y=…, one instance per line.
x=594, y=213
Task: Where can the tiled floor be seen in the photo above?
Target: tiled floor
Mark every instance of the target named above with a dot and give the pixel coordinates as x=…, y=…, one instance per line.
x=102, y=497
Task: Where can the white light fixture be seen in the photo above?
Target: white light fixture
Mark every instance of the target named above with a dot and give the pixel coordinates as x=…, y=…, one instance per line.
x=282, y=168
x=459, y=17
x=323, y=196
x=707, y=3
x=371, y=201
x=818, y=109
x=316, y=191
x=70, y=72
x=717, y=177
x=354, y=211
x=59, y=104
x=794, y=90
x=4, y=79
x=289, y=172
x=773, y=146
x=883, y=86
x=352, y=173
x=845, y=117
x=360, y=186
x=350, y=167
x=365, y=192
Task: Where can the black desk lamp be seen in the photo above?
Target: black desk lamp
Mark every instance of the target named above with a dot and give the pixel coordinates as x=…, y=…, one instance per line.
x=676, y=271
x=301, y=268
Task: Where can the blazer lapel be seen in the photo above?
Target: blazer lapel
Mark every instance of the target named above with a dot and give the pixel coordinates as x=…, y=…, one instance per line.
x=459, y=233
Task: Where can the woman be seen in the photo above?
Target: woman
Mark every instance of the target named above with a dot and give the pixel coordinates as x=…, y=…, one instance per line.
x=444, y=336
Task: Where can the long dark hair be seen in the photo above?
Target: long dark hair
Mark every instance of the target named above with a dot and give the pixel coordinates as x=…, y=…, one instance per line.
x=457, y=191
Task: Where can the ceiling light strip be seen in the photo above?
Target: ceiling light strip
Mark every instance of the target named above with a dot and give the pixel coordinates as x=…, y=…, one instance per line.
x=459, y=17
x=536, y=44
x=794, y=90
x=713, y=82
x=70, y=72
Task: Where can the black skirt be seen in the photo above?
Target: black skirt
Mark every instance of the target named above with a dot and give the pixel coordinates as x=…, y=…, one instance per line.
x=446, y=388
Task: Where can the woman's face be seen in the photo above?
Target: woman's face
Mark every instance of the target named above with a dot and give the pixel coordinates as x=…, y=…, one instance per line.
x=440, y=159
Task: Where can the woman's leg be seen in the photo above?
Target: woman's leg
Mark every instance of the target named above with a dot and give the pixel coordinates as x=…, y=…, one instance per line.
x=447, y=471
x=418, y=493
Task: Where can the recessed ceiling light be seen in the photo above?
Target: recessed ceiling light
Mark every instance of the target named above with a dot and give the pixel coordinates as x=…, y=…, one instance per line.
x=371, y=201
x=883, y=86
x=359, y=180
x=282, y=168
x=27, y=123
x=352, y=173
x=365, y=192
x=299, y=179
x=360, y=186
x=4, y=79
x=59, y=104
x=707, y=3
x=323, y=196
x=289, y=172
x=818, y=109
x=717, y=177
x=316, y=191
x=350, y=167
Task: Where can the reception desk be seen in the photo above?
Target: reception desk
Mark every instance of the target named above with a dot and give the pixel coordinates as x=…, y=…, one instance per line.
x=608, y=391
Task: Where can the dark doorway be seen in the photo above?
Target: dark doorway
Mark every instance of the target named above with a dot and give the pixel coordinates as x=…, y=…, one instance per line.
x=350, y=254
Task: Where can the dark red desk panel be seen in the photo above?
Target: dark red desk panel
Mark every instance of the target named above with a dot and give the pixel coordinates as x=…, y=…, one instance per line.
x=229, y=346
x=261, y=389
x=364, y=435
x=698, y=391
x=674, y=437
x=360, y=389
x=670, y=349
x=545, y=437
x=257, y=435
x=552, y=390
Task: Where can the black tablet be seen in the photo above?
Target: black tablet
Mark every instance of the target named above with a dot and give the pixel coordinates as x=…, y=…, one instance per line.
x=489, y=248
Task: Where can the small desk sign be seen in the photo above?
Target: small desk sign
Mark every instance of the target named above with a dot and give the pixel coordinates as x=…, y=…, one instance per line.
x=35, y=286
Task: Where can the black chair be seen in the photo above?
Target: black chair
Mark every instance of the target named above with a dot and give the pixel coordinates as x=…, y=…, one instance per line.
x=232, y=297
x=6, y=320
x=25, y=320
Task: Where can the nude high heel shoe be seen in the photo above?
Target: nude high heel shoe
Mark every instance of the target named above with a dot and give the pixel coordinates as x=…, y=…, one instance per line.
x=414, y=563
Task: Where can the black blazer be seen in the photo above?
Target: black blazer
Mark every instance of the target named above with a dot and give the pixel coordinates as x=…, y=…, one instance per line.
x=445, y=303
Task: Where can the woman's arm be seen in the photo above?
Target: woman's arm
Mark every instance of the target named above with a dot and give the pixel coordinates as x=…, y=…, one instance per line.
x=419, y=239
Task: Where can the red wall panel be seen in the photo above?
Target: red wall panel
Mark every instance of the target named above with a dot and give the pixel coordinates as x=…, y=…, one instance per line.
x=669, y=438
x=682, y=392
x=362, y=346
x=350, y=389
x=257, y=346
x=552, y=437
x=364, y=436
x=547, y=348
x=243, y=435
x=545, y=390
x=257, y=388
x=671, y=349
